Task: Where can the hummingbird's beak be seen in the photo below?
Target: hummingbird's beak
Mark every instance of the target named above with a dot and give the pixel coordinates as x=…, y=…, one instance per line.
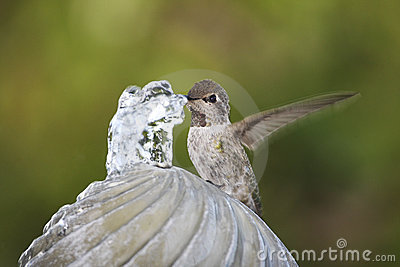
x=190, y=98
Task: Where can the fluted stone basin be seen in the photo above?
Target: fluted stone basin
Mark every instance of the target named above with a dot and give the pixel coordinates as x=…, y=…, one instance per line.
x=156, y=217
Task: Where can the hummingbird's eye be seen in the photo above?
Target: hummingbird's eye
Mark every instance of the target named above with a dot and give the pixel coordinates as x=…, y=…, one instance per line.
x=212, y=98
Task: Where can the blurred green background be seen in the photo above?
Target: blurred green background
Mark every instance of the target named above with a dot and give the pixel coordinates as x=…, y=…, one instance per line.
x=63, y=65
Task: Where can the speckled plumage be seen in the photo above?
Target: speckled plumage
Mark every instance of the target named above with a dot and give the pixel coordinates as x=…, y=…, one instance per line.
x=220, y=158
x=215, y=151
x=215, y=145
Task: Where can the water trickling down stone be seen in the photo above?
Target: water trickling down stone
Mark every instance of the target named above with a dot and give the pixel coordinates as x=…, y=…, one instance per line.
x=141, y=129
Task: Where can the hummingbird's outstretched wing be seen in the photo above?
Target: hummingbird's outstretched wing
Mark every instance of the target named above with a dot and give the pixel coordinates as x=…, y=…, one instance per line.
x=255, y=128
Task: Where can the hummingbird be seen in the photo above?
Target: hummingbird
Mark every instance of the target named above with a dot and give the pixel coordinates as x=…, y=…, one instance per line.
x=215, y=145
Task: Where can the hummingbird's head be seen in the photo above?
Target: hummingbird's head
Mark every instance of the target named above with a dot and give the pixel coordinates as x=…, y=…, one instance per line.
x=209, y=104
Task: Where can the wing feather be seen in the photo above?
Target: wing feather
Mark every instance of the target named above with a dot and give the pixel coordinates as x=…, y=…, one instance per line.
x=255, y=128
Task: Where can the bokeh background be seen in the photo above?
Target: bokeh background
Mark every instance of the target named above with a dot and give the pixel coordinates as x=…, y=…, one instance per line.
x=63, y=65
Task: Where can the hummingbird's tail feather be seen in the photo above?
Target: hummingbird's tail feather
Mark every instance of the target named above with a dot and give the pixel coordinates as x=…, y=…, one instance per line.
x=253, y=201
x=257, y=202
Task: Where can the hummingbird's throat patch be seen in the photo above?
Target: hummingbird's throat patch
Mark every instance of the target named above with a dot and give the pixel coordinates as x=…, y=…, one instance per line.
x=198, y=119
